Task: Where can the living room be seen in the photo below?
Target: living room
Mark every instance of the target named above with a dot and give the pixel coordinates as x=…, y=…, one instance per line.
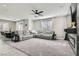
x=36, y=29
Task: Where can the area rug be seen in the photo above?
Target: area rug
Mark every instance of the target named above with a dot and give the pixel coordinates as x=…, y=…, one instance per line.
x=42, y=47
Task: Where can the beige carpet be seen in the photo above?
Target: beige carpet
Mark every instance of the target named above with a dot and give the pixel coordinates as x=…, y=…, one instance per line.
x=42, y=47
x=6, y=50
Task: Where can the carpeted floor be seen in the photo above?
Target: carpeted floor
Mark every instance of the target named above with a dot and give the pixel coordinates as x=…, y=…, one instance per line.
x=6, y=50
x=42, y=47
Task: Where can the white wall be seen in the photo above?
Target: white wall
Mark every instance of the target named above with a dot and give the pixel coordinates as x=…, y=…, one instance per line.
x=7, y=25
x=59, y=26
x=37, y=25
x=68, y=17
x=12, y=26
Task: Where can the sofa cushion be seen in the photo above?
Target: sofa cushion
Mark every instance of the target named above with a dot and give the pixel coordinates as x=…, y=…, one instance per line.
x=27, y=37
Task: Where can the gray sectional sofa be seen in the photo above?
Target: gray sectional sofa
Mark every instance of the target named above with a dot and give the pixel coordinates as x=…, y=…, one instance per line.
x=42, y=35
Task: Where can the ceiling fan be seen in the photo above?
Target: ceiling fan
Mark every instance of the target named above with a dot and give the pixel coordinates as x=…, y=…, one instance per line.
x=37, y=12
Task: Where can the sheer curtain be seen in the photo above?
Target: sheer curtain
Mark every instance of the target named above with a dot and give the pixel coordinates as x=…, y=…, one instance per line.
x=37, y=25
x=6, y=27
x=43, y=25
x=47, y=25
x=0, y=27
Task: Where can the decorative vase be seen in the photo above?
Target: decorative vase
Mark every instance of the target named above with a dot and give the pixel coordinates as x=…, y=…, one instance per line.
x=73, y=25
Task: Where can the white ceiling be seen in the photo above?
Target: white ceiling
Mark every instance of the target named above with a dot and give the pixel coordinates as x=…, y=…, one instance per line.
x=17, y=11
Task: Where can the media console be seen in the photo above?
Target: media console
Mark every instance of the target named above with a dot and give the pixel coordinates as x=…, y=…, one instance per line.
x=71, y=36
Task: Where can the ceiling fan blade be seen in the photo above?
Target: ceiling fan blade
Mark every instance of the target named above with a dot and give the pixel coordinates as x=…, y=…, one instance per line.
x=33, y=11
x=41, y=11
x=40, y=14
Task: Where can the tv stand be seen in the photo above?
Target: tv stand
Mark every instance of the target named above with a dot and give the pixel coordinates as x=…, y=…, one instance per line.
x=71, y=36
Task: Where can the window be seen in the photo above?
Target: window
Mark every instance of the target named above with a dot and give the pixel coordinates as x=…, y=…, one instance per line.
x=43, y=25
x=6, y=27
x=19, y=26
x=46, y=25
